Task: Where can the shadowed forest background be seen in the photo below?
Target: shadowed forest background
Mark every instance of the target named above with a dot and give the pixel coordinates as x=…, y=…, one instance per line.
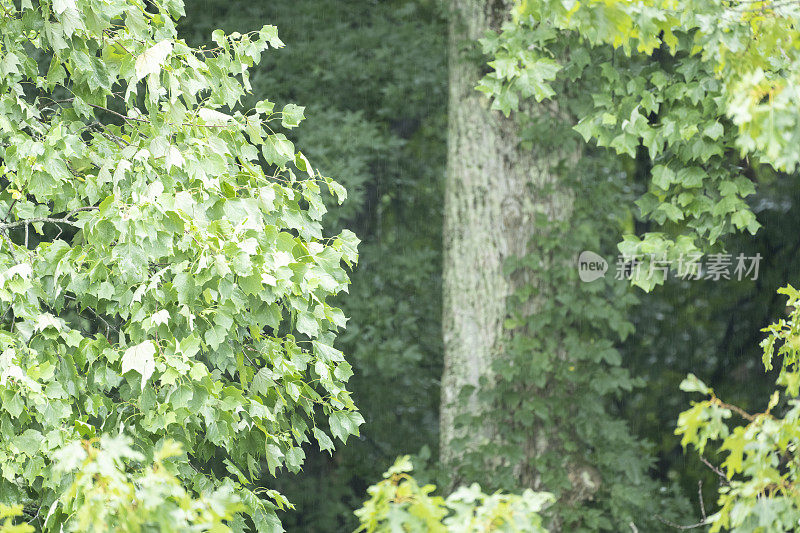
x=373, y=76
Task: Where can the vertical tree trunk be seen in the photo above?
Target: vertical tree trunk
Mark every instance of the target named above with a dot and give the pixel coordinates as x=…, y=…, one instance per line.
x=494, y=190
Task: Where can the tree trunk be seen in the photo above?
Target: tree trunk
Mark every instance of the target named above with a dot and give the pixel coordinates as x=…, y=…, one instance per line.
x=494, y=191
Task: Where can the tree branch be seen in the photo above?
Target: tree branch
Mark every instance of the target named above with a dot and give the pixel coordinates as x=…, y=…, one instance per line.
x=723, y=478
x=145, y=121
x=65, y=220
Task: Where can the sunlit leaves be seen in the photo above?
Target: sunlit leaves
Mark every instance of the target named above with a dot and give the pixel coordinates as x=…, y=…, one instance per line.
x=292, y=115
x=140, y=359
x=8, y=516
x=150, y=61
x=399, y=503
x=112, y=491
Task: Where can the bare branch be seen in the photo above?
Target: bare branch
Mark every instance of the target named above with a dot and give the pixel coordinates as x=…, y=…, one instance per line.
x=723, y=478
x=700, y=497
x=678, y=526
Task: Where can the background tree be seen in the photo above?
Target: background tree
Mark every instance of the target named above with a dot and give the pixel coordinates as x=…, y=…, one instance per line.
x=694, y=101
x=530, y=356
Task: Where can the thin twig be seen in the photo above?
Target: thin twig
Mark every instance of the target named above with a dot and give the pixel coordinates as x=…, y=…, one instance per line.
x=5, y=237
x=700, y=497
x=723, y=478
x=65, y=220
x=144, y=120
x=8, y=213
x=678, y=526
x=95, y=313
x=738, y=410
x=704, y=521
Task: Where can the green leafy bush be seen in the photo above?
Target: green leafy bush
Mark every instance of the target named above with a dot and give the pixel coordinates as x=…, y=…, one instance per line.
x=398, y=503
x=163, y=264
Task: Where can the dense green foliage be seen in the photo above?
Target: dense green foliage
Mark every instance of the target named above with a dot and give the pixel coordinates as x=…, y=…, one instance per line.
x=398, y=503
x=188, y=232
x=696, y=84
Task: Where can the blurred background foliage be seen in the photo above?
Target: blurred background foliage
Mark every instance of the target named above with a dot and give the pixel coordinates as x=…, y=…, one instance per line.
x=374, y=79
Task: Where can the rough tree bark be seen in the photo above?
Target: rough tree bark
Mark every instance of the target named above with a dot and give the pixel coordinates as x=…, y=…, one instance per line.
x=494, y=189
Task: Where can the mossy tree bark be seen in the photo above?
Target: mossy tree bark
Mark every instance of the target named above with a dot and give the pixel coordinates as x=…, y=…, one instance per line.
x=494, y=191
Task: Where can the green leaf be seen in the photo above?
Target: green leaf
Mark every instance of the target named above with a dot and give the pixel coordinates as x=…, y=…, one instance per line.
x=141, y=359
x=292, y=115
x=151, y=60
x=325, y=443
x=692, y=384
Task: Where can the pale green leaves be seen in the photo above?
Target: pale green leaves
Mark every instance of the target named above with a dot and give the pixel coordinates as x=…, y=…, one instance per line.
x=212, y=116
x=140, y=358
x=399, y=503
x=337, y=189
x=130, y=496
x=60, y=6
x=159, y=318
x=265, y=107
x=189, y=257
x=152, y=59
x=278, y=150
x=292, y=115
x=693, y=384
x=307, y=324
x=269, y=34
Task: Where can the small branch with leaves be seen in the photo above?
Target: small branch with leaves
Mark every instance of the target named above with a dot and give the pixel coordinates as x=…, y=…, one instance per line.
x=66, y=219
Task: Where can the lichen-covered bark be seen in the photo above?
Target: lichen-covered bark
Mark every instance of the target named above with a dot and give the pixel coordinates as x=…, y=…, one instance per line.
x=494, y=189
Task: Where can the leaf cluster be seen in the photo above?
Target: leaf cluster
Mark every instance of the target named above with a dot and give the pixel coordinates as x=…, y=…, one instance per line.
x=164, y=264
x=399, y=503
